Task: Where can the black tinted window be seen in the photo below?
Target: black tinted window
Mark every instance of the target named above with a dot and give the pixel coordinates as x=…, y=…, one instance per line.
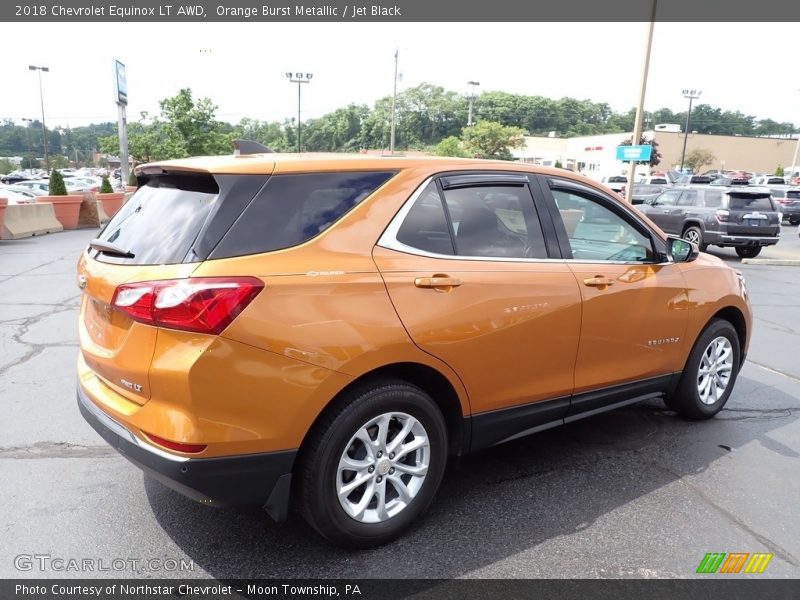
x=425, y=226
x=688, y=198
x=495, y=221
x=292, y=209
x=750, y=202
x=159, y=224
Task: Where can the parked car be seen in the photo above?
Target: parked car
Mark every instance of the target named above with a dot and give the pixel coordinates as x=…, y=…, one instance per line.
x=646, y=193
x=323, y=332
x=655, y=180
x=41, y=187
x=693, y=180
x=17, y=195
x=743, y=218
x=767, y=180
x=787, y=200
x=13, y=177
x=730, y=181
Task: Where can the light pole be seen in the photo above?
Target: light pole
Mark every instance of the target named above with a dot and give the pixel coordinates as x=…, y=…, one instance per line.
x=794, y=159
x=472, y=85
x=30, y=144
x=394, y=103
x=41, y=99
x=691, y=95
x=299, y=79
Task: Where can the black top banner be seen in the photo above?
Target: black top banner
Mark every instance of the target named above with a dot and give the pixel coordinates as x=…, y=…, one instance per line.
x=265, y=11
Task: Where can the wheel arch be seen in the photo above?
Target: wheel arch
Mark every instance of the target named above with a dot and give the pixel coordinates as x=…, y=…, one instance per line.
x=735, y=317
x=425, y=377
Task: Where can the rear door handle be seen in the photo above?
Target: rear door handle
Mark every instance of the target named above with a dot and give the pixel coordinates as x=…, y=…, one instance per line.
x=437, y=282
x=598, y=281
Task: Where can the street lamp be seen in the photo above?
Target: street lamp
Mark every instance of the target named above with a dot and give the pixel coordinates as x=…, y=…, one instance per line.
x=473, y=85
x=691, y=95
x=794, y=159
x=30, y=144
x=299, y=79
x=41, y=99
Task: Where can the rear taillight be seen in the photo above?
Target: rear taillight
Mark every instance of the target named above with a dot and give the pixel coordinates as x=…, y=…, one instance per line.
x=201, y=304
x=722, y=215
x=178, y=446
x=782, y=201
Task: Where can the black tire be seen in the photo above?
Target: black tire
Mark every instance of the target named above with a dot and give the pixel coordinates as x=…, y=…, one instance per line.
x=748, y=251
x=794, y=220
x=686, y=399
x=318, y=468
x=694, y=234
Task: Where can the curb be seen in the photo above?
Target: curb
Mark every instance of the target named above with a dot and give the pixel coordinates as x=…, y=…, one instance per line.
x=784, y=262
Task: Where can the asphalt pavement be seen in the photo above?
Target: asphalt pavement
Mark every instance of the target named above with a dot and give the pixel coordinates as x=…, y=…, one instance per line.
x=636, y=493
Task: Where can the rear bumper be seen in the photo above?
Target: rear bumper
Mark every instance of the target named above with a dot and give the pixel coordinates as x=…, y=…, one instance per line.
x=724, y=239
x=251, y=479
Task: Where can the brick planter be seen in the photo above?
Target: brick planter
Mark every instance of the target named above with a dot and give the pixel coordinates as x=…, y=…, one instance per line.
x=67, y=208
x=111, y=202
x=3, y=204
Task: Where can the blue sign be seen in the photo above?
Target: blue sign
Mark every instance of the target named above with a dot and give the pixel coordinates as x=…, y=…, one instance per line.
x=634, y=153
x=120, y=83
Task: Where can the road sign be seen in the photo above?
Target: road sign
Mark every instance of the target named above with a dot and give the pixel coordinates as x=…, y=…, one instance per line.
x=634, y=153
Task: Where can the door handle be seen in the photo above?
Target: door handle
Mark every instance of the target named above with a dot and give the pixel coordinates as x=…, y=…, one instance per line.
x=598, y=281
x=440, y=283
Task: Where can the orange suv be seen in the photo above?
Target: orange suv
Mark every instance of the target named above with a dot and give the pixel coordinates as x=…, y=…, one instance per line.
x=323, y=332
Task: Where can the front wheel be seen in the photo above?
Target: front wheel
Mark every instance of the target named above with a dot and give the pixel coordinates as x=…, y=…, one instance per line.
x=794, y=220
x=748, y=251
x=709, y=374
x=373, y=465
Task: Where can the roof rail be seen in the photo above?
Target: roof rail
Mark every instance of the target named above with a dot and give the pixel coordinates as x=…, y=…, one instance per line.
x=242, y=147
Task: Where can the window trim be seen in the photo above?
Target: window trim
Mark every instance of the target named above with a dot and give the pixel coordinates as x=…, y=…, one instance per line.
x=389, y=241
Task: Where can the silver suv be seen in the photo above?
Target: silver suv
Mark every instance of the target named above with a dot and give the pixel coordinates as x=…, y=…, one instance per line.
x=744, y=218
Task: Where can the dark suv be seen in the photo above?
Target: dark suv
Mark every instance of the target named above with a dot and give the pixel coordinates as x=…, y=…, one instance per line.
x=787, y=200
x=744, y=218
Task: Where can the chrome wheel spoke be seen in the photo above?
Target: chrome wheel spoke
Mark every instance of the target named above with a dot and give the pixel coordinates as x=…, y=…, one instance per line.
x=715, y=370
x=379, y=472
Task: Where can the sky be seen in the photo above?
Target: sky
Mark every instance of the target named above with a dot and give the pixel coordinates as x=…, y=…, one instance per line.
x=241, y=66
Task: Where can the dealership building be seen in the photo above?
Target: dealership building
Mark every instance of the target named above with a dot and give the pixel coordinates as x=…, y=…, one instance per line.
x=596, y=155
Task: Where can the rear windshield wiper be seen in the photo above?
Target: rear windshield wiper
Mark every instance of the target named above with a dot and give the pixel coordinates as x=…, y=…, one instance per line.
x=109, y=248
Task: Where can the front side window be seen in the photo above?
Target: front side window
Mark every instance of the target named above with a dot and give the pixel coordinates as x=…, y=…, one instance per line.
x=596, y=232
x=668, y=198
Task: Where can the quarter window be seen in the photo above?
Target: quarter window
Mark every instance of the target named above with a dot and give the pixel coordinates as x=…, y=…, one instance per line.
x=425, y=226
x=596, y=232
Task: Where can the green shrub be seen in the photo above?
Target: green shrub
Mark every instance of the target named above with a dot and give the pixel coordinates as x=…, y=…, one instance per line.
x=105, y=186
x=57, y=185
x=132, y=179
x=779, y=172
x=558, y=165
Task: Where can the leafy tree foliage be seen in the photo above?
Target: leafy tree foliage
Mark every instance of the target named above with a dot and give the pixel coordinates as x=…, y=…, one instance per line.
x=697, y=158
x=450, y=146
x=487, y=139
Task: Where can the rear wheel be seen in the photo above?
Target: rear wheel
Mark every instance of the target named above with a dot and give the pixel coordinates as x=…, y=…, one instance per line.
x=794, y=220
x=710, y=372
x=748, y=251
x=695, y=235
x=374, y=464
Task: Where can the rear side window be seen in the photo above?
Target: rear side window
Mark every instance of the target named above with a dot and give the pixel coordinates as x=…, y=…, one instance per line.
x=425, y=226
x=292, y=209
x=159, y=224
x=750, y=202
x=712, y=199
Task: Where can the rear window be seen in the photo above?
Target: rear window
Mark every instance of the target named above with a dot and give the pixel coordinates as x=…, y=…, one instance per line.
x=159, y=224
x=793, y=194
x=292, y=209
x=778, y=193
x=750, y=202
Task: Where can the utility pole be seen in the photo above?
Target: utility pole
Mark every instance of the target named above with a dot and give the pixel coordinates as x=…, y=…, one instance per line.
x=394, y=103
x=637, y=126
x=41, y=99
x=471, y=96
x=30, y=144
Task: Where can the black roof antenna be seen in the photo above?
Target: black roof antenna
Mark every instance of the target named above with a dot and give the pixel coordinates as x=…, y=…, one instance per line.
x=241, y=147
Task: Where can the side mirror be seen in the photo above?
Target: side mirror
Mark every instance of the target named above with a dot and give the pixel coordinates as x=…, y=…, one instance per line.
x=680, y=250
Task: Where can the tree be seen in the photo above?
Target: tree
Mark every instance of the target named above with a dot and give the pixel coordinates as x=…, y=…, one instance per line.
x=488, y=139
x=655, y=155
x=779, y=172
x=450, y=146
x=57, y=161
x=558, y=165
x=6, y=166
x=105, y=186
x=697, y=158
x=57, y=186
